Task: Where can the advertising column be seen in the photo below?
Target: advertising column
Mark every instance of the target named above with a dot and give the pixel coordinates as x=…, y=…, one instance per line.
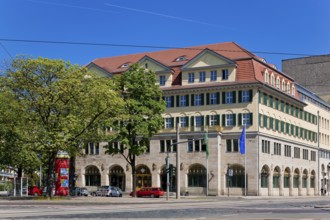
x=62, y=174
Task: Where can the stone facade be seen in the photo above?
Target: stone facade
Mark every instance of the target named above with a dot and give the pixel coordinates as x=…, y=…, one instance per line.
x=286, y=146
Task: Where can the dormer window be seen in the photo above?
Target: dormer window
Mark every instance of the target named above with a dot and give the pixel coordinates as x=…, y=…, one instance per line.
x=182, y=58
x=146, y=65
x=125, y=65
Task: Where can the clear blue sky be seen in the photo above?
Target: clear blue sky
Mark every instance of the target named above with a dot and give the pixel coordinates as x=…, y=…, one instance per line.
x=278, y=26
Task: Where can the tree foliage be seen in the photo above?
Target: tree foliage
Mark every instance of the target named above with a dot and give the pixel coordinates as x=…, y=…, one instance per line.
x=57, y=106
x=141, y=115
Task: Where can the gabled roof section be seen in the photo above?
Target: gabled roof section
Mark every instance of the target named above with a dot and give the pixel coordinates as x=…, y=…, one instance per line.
x=155, y=62
x=229, y=50
x=219, y=60
x=99, y=69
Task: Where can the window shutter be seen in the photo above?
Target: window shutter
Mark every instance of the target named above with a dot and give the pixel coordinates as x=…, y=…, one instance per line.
x=187, y=100
x=223, y=120
x=192, y=99
x=234, y=96
x=187, y=120
x=223, y=97
x=172, y=101
x=192, y=120
x=172, y=119
x=202, y=98
x=202, y=120
x=218, y=119
x=240, y=119
x=177, y=121
x=239, y=96
x=207, y=98
x=250, y=95
x=207, y=120
x=234, y=119
x=260, y=96
x=218, y=98
x=177, y=101
x=251, y=117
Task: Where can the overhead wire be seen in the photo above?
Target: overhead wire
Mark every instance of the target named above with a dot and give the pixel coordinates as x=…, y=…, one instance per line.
x=141, y=46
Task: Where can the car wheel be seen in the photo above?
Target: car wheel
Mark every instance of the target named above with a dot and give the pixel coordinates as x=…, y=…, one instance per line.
x=152, y=196
x=120, y=195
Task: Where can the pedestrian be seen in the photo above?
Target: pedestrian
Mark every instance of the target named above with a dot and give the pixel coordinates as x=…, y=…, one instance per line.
x=322, y=191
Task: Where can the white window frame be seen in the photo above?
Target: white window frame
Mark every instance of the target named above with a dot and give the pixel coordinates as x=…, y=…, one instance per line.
x=229, y=120
x=168, y=100
x=246, y=119
x=225, y=74
x=245, y=96
x=214, y=75
x=162, y=80
x=183, y=122
x=183, y=101
x=168, y=123
x=229, y=97
x=202, y=76
x=198, y=121
x=213, y=98
x=191, y=77
x=198, y=99
x=213, y=120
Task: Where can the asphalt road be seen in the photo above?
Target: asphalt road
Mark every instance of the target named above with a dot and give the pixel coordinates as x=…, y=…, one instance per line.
x=186, y=208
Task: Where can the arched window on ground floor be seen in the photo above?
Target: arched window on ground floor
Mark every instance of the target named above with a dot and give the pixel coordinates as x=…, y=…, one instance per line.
x=143, y=176
x=92, y=176
x=264, y=176
x=296, y=178
x=238, y=178
x=197, y=176
x=117, y=177
x=286, y=178
x=304, y=179
x=276, y=177
x=312, y=179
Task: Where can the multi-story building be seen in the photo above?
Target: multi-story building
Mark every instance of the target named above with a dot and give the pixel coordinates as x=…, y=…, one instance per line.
x=219, y=88
x=312, y=72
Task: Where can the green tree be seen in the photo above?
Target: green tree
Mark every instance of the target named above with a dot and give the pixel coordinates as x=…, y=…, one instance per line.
x=141, y=116
x=60, y=105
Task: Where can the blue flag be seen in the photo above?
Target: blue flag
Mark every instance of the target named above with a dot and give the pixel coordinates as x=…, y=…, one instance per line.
x=242, y=142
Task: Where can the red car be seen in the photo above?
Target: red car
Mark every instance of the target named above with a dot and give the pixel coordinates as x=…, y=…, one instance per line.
x=34, y=191
x=151, y=192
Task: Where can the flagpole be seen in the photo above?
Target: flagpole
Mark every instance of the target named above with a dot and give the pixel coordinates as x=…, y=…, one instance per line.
x=245, y=159
x=207, y=163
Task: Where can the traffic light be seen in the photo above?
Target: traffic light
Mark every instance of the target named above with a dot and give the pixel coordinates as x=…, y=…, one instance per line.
x=172, y=170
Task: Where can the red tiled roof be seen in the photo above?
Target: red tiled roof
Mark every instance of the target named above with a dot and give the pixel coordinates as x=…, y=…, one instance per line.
x=229, y=50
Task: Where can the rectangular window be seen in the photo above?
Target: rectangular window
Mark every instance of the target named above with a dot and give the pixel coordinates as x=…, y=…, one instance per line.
x=162, y=80
x=169, y=123
x=214, y=98
x=313, y=156
x=225, y=74
x=287, y=150
x=246, y=119
x=246, y=96
x=265, y=146
x=97, y=149
x=214, y=75
x=169, y=101
x=91, y=148
x=229, y=97
x=229, y=120
x=232, y=145
x=199, y=121
x=190, y=145
x=162, y=146
x=191, y=77
x=198, y=99
x=296, y=152
x=277, y=148
x=183, y=122
x=202, y=76
x=213, y=120
x=183, y=101
x=305, y=154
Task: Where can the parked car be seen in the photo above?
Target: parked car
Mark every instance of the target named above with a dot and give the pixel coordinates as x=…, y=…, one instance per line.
x=151, y=192
x=34, y=191
x=81, y=191
x=108, y=191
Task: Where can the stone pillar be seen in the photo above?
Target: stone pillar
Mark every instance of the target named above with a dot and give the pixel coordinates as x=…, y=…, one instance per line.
x=300, y=184
x=281, y=179
x=308, y=189
x=291, y=184
x=270, y=183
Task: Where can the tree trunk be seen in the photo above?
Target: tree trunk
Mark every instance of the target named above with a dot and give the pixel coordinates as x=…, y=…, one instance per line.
x=72, y=171
x=134, y=175
x=50, y=181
